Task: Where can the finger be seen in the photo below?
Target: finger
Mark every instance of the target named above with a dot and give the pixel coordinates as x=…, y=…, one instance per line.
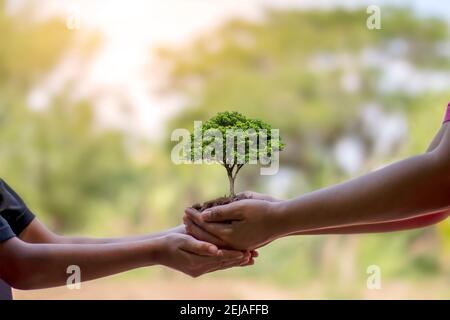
x=230, y=255
x=247, y=254
x=189, y=224
x=245, y=195
x=256, y=196
x=220, y=230
x=211, y=264
x=198, y=247
x=216, y=229
x=228, y=265
x=249, y=263
x=224, y=266
x=194, y=215
x=234, y=262
x=201, y=234
x=247, y=259
x=254, y=253
x=221, y=214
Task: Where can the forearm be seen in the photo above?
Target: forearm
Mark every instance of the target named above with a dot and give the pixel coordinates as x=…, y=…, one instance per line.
x=403, y=190
x=37, y=232
x=389, y=226
x=89, y=240
x=45, y=265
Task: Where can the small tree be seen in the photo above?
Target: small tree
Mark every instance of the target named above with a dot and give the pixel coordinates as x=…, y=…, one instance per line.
x=232, y=140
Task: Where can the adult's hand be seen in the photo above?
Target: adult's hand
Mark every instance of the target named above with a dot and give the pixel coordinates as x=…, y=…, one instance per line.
x=241, y=225
x=196, y=231
x=194, y=257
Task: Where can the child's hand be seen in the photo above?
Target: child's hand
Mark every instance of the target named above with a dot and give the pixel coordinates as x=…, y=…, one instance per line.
x=194, y=257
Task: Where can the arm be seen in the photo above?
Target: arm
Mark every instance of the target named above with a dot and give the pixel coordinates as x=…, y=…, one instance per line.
x=195, y=229
x=385, y=226
x=389, y=226
x=34, y=266
x=36, y=232
x=407, y=189
x=397, y=193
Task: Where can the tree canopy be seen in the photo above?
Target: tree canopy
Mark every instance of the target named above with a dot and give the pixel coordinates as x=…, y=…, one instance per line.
x=231, y=139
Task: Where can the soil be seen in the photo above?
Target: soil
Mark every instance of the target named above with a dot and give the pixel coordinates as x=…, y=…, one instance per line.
x=217, y=202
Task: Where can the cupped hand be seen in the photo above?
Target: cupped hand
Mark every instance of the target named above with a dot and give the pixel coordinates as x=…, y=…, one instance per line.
x=241, y=225
x=194, y=257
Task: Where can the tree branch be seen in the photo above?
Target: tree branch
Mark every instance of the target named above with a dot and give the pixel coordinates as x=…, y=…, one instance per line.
x=238, y=168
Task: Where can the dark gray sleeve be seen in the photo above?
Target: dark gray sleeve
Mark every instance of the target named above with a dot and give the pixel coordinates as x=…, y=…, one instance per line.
x=5, y=230
x=14, y=214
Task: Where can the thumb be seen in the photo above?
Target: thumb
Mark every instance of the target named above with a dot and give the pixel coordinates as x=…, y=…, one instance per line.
x=200, y=248
x=221, y=214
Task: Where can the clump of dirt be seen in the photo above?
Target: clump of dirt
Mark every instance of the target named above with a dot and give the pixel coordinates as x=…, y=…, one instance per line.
x=217, y=202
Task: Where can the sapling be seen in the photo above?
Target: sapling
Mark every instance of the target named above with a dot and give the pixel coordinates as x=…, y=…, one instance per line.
x=232, y=140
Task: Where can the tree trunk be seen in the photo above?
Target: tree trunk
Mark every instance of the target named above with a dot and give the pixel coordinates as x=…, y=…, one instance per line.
x=231, y=179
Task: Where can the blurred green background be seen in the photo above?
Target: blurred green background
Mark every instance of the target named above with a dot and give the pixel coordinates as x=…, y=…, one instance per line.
x=77, y=145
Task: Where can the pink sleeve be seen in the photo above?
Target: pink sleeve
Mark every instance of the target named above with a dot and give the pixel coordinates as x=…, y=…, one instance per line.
x=447, y=114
